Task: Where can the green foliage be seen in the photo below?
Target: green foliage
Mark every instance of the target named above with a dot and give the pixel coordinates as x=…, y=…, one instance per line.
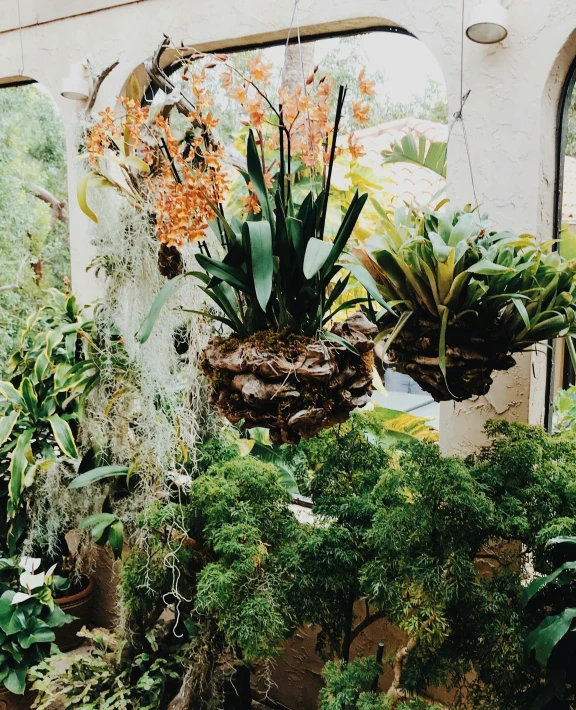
x=428, y=154
x=52, y=372
x=28, y=617
x=276, y=272
x=239, y=511
x=553, y=640
x=565, y=408
x=348, y=687
x=146, y=582
x=435, y=521
x=235, y=544
x=34, y=253
x=111, y=676
x=441, y=265
x=106, y=528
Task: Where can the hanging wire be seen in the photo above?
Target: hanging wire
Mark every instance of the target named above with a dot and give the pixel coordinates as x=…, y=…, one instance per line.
x=458, y=115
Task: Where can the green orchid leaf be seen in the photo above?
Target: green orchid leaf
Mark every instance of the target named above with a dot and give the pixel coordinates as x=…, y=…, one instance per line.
x=257, y=179
x=159, y=302
x=259, y=236
x=98, y=474
x=316, y=255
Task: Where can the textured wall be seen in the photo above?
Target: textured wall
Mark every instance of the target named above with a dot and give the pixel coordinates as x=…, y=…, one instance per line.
x=510, y=116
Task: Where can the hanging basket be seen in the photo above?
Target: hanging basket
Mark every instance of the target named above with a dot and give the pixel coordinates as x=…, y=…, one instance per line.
x=291, y=384
x=474, y=350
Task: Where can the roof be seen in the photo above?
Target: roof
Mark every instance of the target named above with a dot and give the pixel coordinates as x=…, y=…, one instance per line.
x=412, y=183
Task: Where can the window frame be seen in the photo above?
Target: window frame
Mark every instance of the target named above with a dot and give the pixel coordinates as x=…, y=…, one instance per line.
x=568, y=374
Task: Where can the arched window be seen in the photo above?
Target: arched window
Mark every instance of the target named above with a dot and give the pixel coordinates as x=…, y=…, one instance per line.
x=560, y=373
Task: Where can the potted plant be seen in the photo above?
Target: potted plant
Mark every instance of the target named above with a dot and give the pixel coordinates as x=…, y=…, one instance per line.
x=466, y=297
x=52, y=372
x=28, y=618
x=285, y=364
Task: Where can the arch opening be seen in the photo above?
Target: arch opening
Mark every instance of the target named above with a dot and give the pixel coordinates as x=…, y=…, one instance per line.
x=33, y=206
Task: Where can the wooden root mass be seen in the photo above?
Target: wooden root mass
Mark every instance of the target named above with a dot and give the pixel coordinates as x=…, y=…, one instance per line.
x=292, y=384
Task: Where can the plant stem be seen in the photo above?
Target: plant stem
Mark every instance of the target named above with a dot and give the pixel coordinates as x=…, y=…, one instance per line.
x=339, y=105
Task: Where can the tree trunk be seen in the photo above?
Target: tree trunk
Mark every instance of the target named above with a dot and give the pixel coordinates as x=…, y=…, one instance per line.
x=292, y=72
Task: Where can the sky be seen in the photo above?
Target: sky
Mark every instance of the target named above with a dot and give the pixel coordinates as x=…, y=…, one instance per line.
x=406, y=62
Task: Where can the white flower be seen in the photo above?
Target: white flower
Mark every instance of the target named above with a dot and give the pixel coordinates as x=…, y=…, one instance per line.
x=30, y=564
x=182, y=480
x=20, y=597
x=32, y=581
x=50, y=572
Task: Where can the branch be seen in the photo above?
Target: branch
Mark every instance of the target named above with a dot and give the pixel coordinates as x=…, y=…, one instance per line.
x=366, y=622
x=157, y=76
x=395, y=690
x=16, y=283
x=59, y=211
x=97, y=84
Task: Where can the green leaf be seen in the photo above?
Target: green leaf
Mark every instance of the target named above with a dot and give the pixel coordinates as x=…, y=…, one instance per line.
x=100, y=533
x=327, y=335
x=12, y=395
x=442, y=343
x=344, y=232
x=41, y=366
x=260, y=238
x=19, y=464
x=91, y=520
x=488, y=268
x=269, y=454
x=168, y=289
x=463, y=229
x=15, y=681
x=232, y=275
x=317, y=252
x=552, y=630
x=257, y=178
x=97, y=474
x=521, y=308
x=6, y=425
x=63, y=436
x=364, y=278
x=116, y=538
x=29, y=396
x=536, y=584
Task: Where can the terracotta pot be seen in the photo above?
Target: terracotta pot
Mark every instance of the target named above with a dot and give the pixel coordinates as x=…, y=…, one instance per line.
x=9, y=701
x=79, y=605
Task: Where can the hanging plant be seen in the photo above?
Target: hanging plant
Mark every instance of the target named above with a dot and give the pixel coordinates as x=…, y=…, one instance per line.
x=468, y=297
x=276, y=281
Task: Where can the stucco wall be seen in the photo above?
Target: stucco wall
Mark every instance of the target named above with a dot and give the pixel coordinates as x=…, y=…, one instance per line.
x=510, y=115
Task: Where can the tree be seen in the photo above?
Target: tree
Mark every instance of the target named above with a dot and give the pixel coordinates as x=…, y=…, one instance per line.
x=33, y=220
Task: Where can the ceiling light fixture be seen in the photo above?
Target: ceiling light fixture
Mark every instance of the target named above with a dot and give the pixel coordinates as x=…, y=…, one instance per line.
x=77, y=84
x=488, y=22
